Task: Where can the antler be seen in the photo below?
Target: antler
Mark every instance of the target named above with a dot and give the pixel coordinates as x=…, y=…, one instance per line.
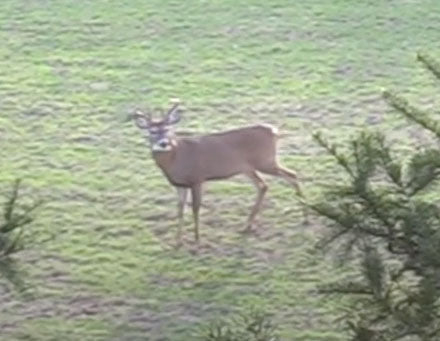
x=142, y=119
x=140, y=113
x=174, y=107
x=172, y=116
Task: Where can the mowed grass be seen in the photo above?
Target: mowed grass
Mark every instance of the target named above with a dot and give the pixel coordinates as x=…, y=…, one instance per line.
x=70, y=73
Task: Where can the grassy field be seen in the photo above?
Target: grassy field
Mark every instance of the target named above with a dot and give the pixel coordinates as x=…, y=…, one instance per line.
x=70, y=73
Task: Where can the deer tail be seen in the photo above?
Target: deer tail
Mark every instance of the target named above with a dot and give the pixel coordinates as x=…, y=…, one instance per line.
x=281, y=134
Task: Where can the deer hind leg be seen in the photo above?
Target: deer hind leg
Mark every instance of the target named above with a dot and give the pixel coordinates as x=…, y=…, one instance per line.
x=261, y=188
x=196, y=194
x=291, y=177
x=182, y=194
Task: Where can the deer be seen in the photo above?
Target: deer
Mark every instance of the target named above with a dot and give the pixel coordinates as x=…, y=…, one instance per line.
x=190, y=161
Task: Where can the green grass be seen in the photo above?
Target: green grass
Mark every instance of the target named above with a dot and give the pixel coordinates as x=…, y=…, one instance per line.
x=70, y=73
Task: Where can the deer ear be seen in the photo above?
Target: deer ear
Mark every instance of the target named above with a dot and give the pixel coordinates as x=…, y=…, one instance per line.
x=173, y=115
x=141, y=120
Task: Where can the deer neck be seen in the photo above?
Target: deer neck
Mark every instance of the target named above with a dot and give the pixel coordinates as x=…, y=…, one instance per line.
x=166, y=159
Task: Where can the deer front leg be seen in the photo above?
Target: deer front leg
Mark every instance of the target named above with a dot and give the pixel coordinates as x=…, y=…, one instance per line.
x=196, y=193
x=182, y=194
x=262, y=188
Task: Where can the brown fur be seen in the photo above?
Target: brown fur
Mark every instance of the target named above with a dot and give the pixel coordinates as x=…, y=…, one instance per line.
x=191, y=161
x=218, y=156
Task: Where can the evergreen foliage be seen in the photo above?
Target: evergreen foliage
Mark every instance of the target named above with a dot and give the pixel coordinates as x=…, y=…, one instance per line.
x=13, y=226
x=383, y=214
x=250, y=326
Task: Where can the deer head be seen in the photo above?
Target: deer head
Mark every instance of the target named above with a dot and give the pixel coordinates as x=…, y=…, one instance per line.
x=159, y=132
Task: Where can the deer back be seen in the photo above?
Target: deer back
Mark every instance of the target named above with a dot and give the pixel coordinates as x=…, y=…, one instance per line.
x=219, y=155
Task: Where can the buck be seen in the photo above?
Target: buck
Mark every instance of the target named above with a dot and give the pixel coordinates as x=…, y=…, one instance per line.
x=188, y=162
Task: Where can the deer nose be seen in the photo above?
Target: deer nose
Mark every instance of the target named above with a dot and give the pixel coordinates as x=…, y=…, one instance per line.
x=163, y=144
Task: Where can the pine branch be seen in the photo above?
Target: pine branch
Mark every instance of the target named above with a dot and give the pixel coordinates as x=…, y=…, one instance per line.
x=405, y=334
x=423, y=170
x=325, y=242
x=430, y=63
x=351, y=288
x=9, y=270
x=332, y=150
x=379, y=212
x=14, y=246
x=434, y=333
x=339, y=216
x=12, y=233
x=396, y=275
x=411, y=112
x=10, y=204
x=392, y=168
x=374, y=271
